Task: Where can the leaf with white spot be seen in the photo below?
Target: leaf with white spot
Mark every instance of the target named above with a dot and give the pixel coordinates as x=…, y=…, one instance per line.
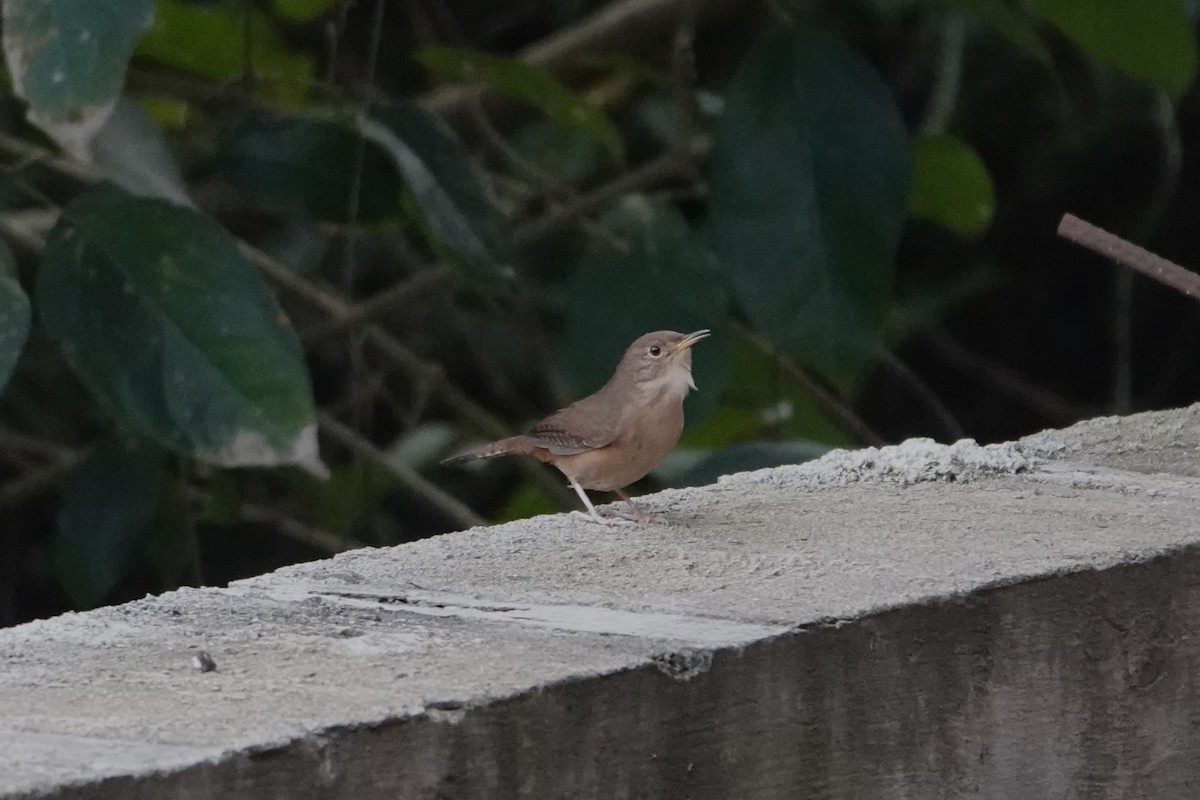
x=67, y=59
x=175, y=333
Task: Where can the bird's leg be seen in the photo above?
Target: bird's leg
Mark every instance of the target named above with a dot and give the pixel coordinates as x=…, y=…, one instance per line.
x=639, y=514
x=594, y=514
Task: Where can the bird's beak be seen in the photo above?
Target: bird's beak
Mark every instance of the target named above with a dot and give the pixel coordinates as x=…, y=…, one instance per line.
x=690, y=339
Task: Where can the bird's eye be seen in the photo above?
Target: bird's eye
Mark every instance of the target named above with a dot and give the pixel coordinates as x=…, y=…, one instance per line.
x=655, y=351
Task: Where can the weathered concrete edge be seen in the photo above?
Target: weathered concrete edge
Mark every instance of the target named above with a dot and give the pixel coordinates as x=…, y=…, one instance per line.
x=460, y=743
x=1045, y=468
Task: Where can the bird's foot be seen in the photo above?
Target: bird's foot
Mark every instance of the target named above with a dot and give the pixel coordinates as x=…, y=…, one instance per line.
x=639, y=515
x=603, y=520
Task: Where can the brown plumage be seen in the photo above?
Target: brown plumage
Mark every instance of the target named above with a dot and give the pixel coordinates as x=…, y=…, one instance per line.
x=614, y=437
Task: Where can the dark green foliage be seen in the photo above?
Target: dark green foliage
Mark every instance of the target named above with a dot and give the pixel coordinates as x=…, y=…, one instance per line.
x=114, y=507
x=858, y=198
x=174, y=332
x=810, y=175
x=306, y=166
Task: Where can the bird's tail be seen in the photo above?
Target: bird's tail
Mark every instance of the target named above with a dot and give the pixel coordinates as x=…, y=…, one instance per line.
x=518, y=445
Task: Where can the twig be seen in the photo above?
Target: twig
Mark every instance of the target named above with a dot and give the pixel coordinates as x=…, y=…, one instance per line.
x=380, y=302
x=495, y=139
x=31, y=153
x=21, y=489
x=947, y=419
x=50, y=451
x=293, y=529
x=422, y=371
x=613, y=25
x=1016, y=386
x=349, y=267
x=683, y=78
x=1122, y=372
x=944, y=95
x=339, y=310
x=827, y=399
x=650, y=174
x=1128, y=254
x=409, y=477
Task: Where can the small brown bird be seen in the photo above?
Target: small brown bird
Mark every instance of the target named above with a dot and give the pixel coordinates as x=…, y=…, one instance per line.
x=614, y=437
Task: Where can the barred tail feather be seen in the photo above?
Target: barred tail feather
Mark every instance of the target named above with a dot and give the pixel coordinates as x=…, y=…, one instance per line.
x=513, y=445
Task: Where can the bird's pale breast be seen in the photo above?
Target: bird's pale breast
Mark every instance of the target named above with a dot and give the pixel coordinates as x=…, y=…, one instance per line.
x=643, y=443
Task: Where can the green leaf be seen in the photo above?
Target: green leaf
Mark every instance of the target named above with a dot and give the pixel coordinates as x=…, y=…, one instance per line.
x=68, y=58
x=302, y=10
x=14, y=315
x=809, y=179
x=1010, y=23
x=525, y=82
x=649, y=273
x=951, y=186
x=210, y=40
x=1150, y=39
x=567, y=154
x=306, y=165
x=110, y=510
x=443, y=182
x=175, y=333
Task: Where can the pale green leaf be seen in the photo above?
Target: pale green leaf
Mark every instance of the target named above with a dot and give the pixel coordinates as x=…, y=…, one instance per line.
x=951, y=185
x=1152, y=40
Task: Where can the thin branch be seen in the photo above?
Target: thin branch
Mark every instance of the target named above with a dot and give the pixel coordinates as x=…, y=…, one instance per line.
x=831, y=402
x=652, y=173
x=353, y=202
x=922, y=390
x=613, y=25
x=1053, y=406
x=28, y=229
x=339, y=310
x=420, y=370
x=11, y=440
x=1122, y=372
x=683, y=80
x=313, y=537
x=495, y=139
x=944, y=96
x=28, y=153
x=21, y=489
x=1129, y=255
x=406, y=475
x=381, y=302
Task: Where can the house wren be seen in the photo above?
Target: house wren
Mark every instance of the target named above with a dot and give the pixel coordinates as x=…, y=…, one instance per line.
x=614, y=437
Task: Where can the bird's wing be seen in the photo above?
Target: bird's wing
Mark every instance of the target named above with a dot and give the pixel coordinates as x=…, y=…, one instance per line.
x=586, y=425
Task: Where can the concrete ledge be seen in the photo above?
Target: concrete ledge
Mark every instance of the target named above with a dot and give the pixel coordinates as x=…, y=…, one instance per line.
x=917, y=621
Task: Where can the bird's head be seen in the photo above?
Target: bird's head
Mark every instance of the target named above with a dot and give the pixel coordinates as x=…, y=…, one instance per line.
x=661, y=360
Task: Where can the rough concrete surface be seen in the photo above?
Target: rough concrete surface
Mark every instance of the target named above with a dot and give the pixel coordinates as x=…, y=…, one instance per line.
x=915, y=621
